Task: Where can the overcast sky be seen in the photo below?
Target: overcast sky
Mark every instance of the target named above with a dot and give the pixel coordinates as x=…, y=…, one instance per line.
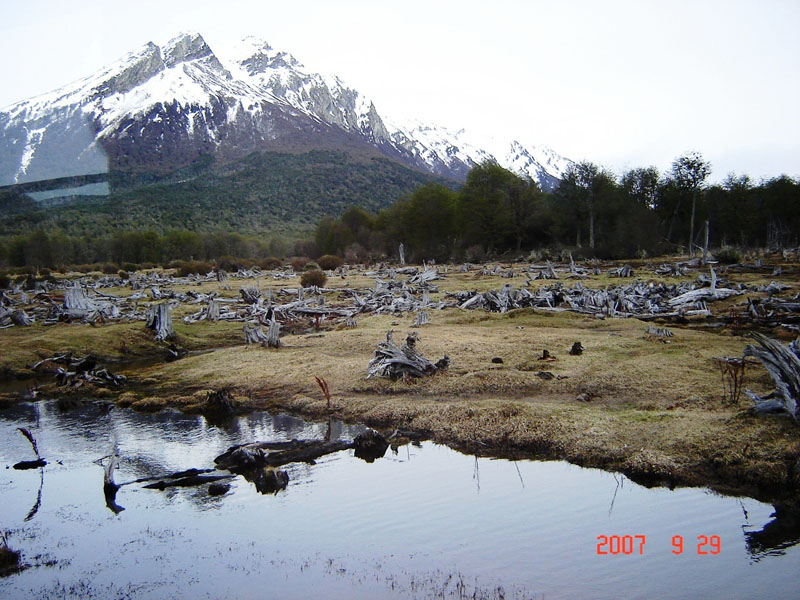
x=621, y=83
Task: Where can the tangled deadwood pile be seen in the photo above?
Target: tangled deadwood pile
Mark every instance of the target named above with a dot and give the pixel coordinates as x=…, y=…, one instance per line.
x=79, y=370
x=394, y=363
x=783, y=365
x=637, y=299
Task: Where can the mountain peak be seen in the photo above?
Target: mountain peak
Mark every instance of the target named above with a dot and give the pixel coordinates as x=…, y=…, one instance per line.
x=185, y=47
x=256, y=56
x=178, y=101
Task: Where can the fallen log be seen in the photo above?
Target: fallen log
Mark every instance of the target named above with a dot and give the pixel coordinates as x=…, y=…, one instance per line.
x=187, y=480
x=623, y=271
x=246, y=457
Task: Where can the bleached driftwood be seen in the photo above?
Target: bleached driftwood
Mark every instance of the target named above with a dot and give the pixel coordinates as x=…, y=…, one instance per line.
x=783, y=365
x=623, y=271
x=253, y=334
x=393, y=363
x=546, y=272
x=703, y=294
x=661, y=332
x=250, y=295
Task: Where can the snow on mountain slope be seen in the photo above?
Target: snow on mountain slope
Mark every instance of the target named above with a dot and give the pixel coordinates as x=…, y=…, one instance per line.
x=181, y=99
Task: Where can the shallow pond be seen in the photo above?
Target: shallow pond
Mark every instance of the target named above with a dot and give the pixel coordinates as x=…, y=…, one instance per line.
x=422, y=522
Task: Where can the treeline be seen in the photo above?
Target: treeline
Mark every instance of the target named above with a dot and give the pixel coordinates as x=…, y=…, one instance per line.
x=494, y=213
x=641, y=213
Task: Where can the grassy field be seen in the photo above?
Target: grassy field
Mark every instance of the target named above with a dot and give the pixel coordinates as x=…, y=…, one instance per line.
x=652, y=408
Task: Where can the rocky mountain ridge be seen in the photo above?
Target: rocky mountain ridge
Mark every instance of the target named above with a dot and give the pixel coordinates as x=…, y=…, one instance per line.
x=162, y=107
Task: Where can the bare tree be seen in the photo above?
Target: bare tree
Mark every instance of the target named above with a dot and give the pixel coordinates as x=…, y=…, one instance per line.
x=690, y=172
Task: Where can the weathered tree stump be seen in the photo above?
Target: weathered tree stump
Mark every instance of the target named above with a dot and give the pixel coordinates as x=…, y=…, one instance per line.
x=370, y=445
x=577, y=349
x=421, y=319
x=395, y=363
x=159, y=319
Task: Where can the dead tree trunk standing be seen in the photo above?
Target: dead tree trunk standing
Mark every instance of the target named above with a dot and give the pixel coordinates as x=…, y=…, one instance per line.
x=705, y=246
x=273, y=334
x=213, y=310
x=159, y=319
x=401, y=251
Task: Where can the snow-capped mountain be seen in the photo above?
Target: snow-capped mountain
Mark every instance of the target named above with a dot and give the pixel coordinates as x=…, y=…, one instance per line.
x=161, y=107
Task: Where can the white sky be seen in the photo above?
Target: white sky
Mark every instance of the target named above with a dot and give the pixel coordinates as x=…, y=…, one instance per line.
x=621, y=83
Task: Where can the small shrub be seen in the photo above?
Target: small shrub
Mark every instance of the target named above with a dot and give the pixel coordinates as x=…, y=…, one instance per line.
x=44, y=272
x=191, y=267
x=110, y=269
x=123, y=275
x=298, y=262
x=330, y=262
x=315, y=277
x=728, y=255
x=271, y=262
x=311, y=266
x=130, y=267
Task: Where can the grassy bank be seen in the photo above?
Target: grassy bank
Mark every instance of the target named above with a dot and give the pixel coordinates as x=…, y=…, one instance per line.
x=630, y=402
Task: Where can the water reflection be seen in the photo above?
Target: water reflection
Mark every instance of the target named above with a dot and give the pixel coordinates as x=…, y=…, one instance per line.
x=775, y=537
x=419, y=514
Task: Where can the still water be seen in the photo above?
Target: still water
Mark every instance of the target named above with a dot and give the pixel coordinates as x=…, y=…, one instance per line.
x=422, y=522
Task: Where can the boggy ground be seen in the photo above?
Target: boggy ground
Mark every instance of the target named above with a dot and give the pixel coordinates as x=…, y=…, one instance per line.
x=651, y=408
